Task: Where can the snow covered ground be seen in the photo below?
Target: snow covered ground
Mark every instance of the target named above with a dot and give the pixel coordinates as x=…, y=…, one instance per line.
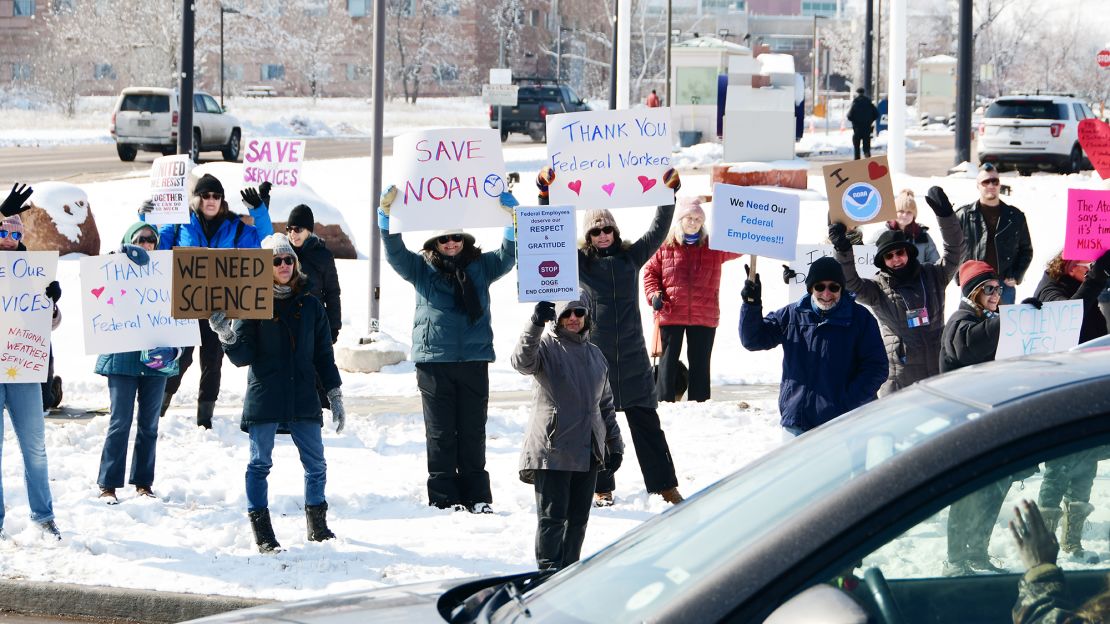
x=195, y=537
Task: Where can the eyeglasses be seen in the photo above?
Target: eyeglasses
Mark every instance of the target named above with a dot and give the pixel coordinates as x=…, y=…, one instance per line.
x=296, y=229
x=601, y=230
x=990, y=182
x=991, y=289
x=821, y=286
x=894, y=253
x=454, y=238
x=287, y=260
x=579, y=312
x=139, y=240
x=211, y=195
x=15, y=235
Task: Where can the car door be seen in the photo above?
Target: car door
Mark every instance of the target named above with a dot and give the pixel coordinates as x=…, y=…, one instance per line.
x=201, y=120
x=219, y=123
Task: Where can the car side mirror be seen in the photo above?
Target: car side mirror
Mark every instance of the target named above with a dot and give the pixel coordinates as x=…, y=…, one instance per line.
x=823, y=604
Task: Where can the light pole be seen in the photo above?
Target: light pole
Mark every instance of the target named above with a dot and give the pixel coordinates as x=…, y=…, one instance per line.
x=223, y=9
x=559, y=53
x=816, y=60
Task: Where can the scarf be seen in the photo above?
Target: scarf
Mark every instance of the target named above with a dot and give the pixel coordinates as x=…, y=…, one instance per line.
x=912, y=231
x=465, y=294
x=211, y=226
x=691, y=239
x=282, y=291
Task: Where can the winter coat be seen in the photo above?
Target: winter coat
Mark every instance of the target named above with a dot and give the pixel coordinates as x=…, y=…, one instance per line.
x=970, y=337
x=323, y=280
x=611, y=280
x=1067, y=288
x=1043, y=598
x=913, y=353
x=832, y=363
x=689, y=276
x=862, y=114
x=1011, y=240
x=441, y=330
x=285, y=353
x=926, y=249
x=233, y=233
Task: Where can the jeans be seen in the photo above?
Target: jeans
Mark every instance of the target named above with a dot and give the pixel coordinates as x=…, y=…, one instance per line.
x=310, y=444
x=123, y=389
x=24, y=404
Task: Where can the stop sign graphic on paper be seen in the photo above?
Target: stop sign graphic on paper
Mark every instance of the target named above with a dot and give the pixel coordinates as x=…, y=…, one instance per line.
x=1104, y=58
x=549, y=268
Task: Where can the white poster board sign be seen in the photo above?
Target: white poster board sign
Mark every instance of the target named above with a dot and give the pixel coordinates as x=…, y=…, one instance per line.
x=610, y=159
x=547, y=259
x=500, y=75
x=25, y=314
x=126, y=307
x=499, y=95
x=754, y=221
x=449, y=178
x=169, y=189
x=1026, y=330
x=808, y=254
x=277, y=161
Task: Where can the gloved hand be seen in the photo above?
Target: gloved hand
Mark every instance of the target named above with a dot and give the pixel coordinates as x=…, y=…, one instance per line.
x=54, y=291
x=136, y=254
x=222, y=326
x=657, y=301
x=544, y=179
x=146, y=208
x=545, y=311
x=386, y=199
x=338, y=412
x=838, y=236
x=1033, y=301
x=788, y=274
x=158, y=358
x=251, y=197
x=671, y=179
x=1101, y=267
x=938, y=201
x=264, y=192
x=613, y=460
x=14, y=203
x=752, y=293
x=509, y=203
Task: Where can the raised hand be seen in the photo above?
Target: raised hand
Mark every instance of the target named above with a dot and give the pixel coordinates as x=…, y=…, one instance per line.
x=544, y=312
x=938, y=201
x=14, y=203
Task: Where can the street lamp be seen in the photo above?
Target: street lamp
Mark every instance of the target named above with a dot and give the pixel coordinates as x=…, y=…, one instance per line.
x=223, y=9
x=816, y=60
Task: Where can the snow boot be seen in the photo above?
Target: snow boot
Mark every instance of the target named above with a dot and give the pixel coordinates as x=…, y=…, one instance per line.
x=1052, y=517
x=167, y=398
x=108, y=496
x=316, y=517
x=56, y=390
x=204, y=413
x=50, y=530
x=1074, y=519
x=672, y=496
x=603, y=499
x=263, y=531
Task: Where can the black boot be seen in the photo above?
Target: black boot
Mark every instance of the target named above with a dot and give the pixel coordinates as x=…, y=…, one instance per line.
x=167, y=398
x=316, y=516
x=204, y=413
x=263, y=531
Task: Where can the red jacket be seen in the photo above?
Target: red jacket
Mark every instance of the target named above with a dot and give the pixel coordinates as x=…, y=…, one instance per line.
x=690, y=278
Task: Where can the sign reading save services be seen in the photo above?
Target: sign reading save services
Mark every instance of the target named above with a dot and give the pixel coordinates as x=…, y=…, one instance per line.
x=547, y=259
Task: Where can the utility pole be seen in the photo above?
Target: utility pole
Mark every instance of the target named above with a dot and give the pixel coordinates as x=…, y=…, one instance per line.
x=670, y=40
x=896, y=88
x=185, y=88
x=624, y=57
x=965, y=58
x=377, y=95
x=868, y=40
x=878, y=55
x=613, y=62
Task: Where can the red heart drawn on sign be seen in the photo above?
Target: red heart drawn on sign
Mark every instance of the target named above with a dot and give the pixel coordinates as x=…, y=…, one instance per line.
x=575, y=186
x=111, y=301
x=875, y=170
x=608, y=188
x=97, y=292
x=1094, y=138
x=122, y=292
x=646, y=182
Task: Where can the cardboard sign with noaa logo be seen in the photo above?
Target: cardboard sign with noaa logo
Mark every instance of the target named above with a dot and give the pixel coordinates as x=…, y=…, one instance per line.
x=859, y=191
x=546, y=255
x=754, y=221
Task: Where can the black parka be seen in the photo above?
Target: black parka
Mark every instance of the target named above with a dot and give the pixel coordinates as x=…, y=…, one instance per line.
x=970, y=337
x=323, y=281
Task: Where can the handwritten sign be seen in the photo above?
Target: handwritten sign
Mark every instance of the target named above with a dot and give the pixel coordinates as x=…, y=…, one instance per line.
x=126, y=307
x=237, y=281
x=449, y=179
x=808, y=254
x=1026, y=330
x=277, y=161
x=169, y=179
x=1087, y=233
x=1094, y=138
x=547, y=259
x=25, y=314
x=859, y=191
x=753, y=221
x=610, y=159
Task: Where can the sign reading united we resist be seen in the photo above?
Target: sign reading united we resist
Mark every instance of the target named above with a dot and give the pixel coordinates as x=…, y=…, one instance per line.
x=1026, y=330
x=25, y=314
x=448, y=179
x=610, y=159
x=546, y=256
x=169, y=180
x=753, y=221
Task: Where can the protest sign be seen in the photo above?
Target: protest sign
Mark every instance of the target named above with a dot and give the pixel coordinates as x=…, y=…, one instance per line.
x=277, y=161
x=1094, y=138
x=753, y=221
x=236, y=281
x=126, y=307
x=1026, y=330
x=808, y=254
x=1087, y=230
x=859, y=191
x=169, y=189
x=25, y=314
x=448, y=179
x=547, y=259
x=610, y=159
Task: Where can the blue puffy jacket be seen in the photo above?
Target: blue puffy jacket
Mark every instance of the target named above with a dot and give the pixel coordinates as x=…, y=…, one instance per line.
x=831, y=364
x=231, y=234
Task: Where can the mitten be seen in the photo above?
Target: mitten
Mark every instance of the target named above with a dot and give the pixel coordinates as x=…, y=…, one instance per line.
x=544, y=312
x=16, y=200
x=338, y=413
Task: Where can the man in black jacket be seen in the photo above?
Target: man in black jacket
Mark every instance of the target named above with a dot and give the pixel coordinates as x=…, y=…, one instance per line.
x=997, y=234
x=862, y=114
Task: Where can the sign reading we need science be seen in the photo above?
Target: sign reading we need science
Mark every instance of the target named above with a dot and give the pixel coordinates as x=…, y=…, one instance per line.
x=26, y=314
x=547, y=260
x=753, y=221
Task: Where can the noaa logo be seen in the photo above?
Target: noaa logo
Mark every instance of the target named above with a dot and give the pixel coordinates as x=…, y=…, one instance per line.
x=493, y=185
x=861, y=202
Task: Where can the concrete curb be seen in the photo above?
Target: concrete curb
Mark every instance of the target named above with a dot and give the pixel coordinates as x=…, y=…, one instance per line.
x=112, y=603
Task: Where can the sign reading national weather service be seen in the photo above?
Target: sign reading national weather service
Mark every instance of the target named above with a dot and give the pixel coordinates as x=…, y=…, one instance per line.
x=1025, y=330
x=25, y=314
x=169, y=179
x=808, y=254
x=1087, y=228
x=753, y=221
x=859, y=191
x=610, y=159
x=448, y=179
x=546, y=256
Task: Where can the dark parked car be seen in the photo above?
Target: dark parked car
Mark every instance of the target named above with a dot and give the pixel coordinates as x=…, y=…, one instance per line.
x=533, y=105
x=863, y=499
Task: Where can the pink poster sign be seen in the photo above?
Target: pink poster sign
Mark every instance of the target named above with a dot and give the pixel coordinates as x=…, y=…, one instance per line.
x=1087, y=232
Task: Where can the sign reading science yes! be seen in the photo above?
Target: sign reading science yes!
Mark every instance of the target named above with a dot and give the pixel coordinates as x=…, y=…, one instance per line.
x=859, y=191
x=448, y=179
x=610, y=159
x=546, y=256
x=753, y=221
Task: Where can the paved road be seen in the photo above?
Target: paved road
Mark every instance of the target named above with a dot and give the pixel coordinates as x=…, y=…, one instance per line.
x=919, y=162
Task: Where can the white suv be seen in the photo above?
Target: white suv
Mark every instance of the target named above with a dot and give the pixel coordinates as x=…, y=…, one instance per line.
x=146, y=118
x=1027, y=132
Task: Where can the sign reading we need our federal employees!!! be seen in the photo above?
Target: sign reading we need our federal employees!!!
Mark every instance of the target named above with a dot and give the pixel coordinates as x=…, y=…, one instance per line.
x=610, y=159
x=546, y=256
x=753, y=221
x=25, y=314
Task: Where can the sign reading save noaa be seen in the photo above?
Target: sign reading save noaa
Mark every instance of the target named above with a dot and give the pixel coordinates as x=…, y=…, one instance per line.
x=448, y=179
x=859, y=191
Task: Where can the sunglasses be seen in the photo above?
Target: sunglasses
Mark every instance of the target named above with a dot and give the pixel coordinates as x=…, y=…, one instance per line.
x=990, y=182
x=211, y=195
x=820, y=287
x=296, y=229
x=454, y=238
x=579, y=312
x=895, y=253
x=601, y=230
x=280, y=260
x=15, y=235
x=989, y=290
x=139, y=240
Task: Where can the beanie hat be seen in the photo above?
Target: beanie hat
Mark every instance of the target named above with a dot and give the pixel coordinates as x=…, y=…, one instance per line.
x=891, y=240
x=430, y=244
x=689, y=206
x=12, y=224
x=597, y=218
x=280, y=244
x=301, y=216
x=972, y=275
x=825, y=269
x=208, y=183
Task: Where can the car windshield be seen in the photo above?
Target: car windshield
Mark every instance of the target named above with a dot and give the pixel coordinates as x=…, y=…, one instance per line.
x=648, y=567
x=149, y=102
x=1026, y=109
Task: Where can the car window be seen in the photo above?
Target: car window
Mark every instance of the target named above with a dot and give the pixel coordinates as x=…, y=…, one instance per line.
x=1089, y=113
x=1026, y=109
x=148, y=102
x=1079, y=114
x=211, y=104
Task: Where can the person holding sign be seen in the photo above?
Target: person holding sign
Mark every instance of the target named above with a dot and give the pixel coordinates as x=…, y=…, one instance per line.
x=285, y=354
x=907, y=295
x=682, y=282
x=996, y=233
x=573, y=428
x=452, y=346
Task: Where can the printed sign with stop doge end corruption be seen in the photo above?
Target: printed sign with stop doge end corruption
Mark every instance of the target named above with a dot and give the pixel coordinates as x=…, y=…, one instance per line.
x=610, y=159
x=546, y=256
x=26, y=314
x=238, y=282
x=859, y=191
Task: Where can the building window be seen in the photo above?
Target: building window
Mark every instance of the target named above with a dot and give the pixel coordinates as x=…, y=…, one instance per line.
x=63, y=6
x=21, y=72
x=447, y=7
x=316, y=8
x=103, y=71
x=23, y=8
x=356, y=72
x=723, y=6
x=446, y=72
x=827, y=9
x=273, y=72
x=233, y=73
x=358, y=8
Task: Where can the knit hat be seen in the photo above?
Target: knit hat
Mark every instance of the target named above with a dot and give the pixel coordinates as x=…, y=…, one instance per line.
x=430, y=244
x=208, y=183
x=597, y=218
x=12, y=224
x=891, y=240
x=689, y=206
x=825, y=269
x=280, y=244
x=972, y=275
x=301, y=216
